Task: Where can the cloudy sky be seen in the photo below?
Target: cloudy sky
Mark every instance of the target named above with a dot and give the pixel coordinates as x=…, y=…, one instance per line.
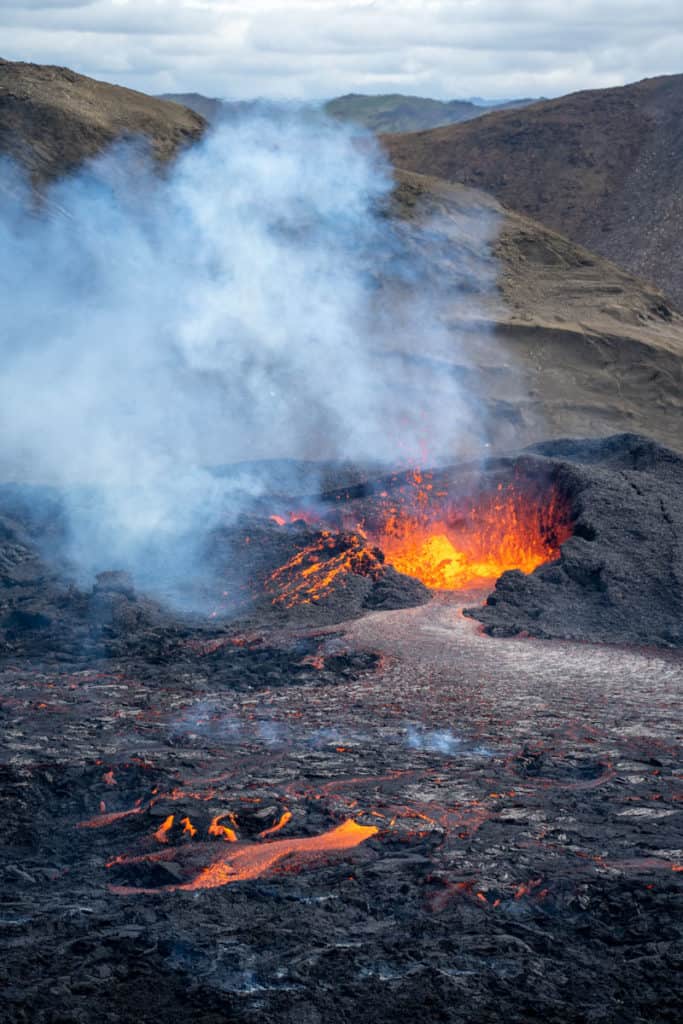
x=318, y=48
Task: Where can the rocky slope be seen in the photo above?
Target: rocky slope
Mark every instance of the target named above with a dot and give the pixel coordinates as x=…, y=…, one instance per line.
x=603, y=167
x=619, y=578
x=52, y=119
x=559, y=342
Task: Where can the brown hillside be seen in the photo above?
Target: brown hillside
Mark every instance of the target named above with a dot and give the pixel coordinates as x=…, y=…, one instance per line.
x=563, y=342
x=545, y=338
x=52, y=119
x=603, y=167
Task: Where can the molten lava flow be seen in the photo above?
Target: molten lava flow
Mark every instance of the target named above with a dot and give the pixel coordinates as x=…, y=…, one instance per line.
x=102, y=820
x=284, y=820
x=161, y=834
x=424, y=533
x=223, y=831
x=310, y=574
x=294, y=517
x=451, y=550
x=254, y=859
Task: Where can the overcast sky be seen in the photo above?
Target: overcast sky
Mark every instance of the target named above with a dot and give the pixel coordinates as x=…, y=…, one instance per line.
x=310, y=49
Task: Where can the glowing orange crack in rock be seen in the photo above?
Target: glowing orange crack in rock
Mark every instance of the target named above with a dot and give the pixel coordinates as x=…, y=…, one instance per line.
x=188, y=828
x=102, y=820
x=310, y=574
x=254, y=859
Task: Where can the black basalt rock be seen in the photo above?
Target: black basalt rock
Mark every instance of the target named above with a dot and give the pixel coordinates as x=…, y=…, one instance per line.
x=619, y=578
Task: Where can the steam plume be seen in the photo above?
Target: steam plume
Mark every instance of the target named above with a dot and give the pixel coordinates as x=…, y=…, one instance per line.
x=230, y=310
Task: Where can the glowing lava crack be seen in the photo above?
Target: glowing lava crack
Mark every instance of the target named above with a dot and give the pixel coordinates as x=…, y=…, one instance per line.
x=310, y=574
x=251, y=860
x=449, y=548
x=422, y=533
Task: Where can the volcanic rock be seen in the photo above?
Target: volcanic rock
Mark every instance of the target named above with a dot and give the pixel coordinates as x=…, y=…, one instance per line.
x=619, y=578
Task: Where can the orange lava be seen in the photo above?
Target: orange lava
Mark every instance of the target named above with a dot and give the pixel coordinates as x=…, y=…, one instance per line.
x=249, y=861
x=102, y=820
x=526, y=888
x=448, y=544
x=161, y=834
x=284, y=820
x=223, y=831
x=294, y=517
x=310, y=574
x=456, y=550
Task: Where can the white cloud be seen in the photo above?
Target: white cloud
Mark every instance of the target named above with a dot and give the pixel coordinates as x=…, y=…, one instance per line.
x=323, y=47
x=45, y=5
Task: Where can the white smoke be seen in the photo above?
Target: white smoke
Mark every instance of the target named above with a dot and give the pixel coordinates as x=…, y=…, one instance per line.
x=231, y=309
x=441, y=741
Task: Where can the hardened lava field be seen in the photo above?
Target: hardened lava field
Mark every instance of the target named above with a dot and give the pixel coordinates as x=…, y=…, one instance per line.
x=354, y=802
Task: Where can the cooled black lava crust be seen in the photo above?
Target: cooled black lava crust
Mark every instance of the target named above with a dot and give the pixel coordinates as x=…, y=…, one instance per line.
x=527, y=861
x=620, y=576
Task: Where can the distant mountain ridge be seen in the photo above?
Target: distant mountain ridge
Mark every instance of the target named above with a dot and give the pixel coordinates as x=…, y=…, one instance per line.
x=390, y=113
x=397, y=113
x=206, y=106
x=604, y=167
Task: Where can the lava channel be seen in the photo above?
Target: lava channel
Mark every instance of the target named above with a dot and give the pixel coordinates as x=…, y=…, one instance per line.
x=244, y=863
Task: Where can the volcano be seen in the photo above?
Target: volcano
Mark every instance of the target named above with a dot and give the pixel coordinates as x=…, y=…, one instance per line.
x=395, y=738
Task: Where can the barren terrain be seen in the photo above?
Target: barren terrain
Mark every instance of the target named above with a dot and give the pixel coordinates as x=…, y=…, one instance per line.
x=303, y=809
x=518, y=852
x=301, y=783
x=601, y=166
x=53, y=119
x=548, y=340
